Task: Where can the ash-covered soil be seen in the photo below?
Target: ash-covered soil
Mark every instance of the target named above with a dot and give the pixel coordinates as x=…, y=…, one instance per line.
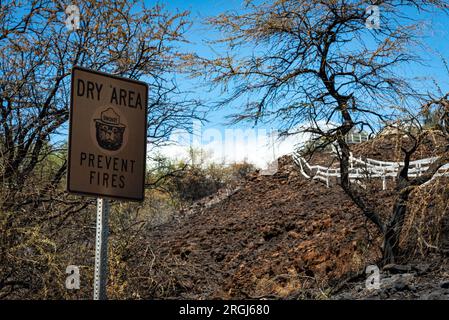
x=388, y=147
x=283, y=236
x=421, y=279
x=274, y=237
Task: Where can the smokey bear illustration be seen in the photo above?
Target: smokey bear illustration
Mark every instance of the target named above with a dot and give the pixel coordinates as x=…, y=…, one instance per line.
x=109, y=130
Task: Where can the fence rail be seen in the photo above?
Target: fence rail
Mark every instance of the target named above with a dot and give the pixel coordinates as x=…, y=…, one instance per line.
x=366, y=168
x=356, y=137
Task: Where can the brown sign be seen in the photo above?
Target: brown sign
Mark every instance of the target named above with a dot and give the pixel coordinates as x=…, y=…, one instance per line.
x=107, y=139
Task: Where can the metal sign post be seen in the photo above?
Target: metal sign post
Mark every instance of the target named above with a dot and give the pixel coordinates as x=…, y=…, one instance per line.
x=101, y=250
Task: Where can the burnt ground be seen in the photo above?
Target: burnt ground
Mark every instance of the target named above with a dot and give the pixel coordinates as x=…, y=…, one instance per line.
x=284, y=236
x=420, y=279
x=278, y=236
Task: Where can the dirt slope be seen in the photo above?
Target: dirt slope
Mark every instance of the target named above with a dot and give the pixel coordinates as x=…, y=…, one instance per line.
x=279, y=236
x=274, y=237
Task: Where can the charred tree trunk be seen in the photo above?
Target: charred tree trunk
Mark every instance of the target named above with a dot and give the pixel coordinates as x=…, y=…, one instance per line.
x=354, y=193
x=394, y=228
x=345, y=182
x=344, y=163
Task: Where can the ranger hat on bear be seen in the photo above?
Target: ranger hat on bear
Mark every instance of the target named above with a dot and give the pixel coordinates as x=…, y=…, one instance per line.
x=111, y=118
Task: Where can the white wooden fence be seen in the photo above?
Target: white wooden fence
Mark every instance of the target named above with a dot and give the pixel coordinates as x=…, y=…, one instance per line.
x=369, y=168
x=358, y=137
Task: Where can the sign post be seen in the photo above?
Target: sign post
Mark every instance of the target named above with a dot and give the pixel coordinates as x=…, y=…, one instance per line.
x=107, y=149
x=101, y=250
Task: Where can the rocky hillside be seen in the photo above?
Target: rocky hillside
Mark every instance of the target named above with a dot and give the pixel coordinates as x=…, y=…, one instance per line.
x=282, y=236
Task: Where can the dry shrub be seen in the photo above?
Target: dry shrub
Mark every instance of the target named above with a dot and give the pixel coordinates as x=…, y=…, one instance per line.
x=139, y=271
x=44, y=233
x=34, y=254
x=240, y=170
x=136, y=269
x=426, y=225
x=197, y=182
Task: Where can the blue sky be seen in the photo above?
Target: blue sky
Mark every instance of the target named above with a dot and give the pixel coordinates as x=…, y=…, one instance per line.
x=436, y=38
x=198, y=35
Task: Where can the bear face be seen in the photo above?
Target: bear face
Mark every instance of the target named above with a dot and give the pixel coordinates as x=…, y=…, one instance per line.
x=109, y=137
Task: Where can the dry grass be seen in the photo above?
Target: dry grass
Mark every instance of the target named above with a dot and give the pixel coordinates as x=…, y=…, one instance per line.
x=424, y=227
